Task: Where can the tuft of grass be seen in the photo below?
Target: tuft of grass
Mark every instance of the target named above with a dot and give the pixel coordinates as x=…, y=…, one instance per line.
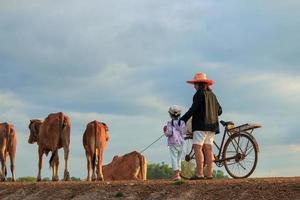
x=180, y=182
x=26, y=179
x=119, y=194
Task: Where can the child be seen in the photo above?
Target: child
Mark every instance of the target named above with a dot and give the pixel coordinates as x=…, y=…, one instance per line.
x=175, y=131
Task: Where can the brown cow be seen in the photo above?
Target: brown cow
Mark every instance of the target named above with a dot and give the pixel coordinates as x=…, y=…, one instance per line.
x=8, y=143
x=50, y=135
x=94, y=140
x=131, y=166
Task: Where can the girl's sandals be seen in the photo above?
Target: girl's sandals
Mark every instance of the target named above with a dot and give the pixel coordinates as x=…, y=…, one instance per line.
x=176, y=178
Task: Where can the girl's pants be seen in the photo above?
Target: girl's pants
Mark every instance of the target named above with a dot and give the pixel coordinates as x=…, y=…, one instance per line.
x=176, y=153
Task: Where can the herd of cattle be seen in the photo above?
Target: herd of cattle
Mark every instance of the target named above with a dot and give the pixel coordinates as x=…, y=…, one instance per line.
x=53, y=133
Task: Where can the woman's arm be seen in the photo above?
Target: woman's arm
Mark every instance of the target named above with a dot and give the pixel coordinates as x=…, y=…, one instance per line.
x=197, y=100
x=183, y=129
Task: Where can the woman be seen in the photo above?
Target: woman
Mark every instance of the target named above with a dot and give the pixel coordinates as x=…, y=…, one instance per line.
x=205, y=123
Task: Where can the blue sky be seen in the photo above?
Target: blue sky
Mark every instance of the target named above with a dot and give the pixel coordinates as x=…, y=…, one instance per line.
x=125, y=62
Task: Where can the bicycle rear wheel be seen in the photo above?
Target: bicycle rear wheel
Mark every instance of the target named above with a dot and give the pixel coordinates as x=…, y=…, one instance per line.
x=240, y=155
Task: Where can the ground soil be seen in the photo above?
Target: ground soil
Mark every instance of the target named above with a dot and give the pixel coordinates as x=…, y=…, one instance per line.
x=253, y=188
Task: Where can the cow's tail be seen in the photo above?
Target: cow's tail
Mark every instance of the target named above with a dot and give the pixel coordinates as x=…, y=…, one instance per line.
x=143, y=167
x=52, y=157
x=97, y=144
x=62, y=128
x=5, y=171
x=62, y=136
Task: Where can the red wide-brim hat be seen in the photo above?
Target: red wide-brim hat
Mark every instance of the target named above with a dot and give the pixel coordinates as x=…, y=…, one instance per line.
x=200, y=78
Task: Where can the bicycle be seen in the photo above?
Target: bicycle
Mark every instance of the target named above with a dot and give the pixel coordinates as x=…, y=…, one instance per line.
x=238, y=153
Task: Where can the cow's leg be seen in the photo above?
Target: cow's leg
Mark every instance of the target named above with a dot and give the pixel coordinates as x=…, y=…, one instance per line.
x=66, y=156
x=89, y=166
x=55, y=167
x=94, y=165
x=138, y=173
x=12, y=165
x=3, y=164
x=39, y=177
x=99, y=166
x=53, y=170
x=52, y=163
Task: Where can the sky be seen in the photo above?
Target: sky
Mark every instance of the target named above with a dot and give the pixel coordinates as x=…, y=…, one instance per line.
x=125, y=62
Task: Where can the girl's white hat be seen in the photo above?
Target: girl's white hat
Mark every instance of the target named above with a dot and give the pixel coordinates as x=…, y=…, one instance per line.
x=175, y=110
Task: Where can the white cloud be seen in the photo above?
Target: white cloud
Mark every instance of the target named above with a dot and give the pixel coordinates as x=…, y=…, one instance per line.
x=9, y=101
x=212, y=65
x=293, y=148
x=13, y=109
x=117, y=77
x=153, y=103
x=281, y=86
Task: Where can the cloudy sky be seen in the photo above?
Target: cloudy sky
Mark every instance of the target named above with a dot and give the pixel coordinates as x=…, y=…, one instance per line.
x=125, y=62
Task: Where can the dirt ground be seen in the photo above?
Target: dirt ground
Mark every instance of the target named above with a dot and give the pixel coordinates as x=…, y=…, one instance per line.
x=253, y=188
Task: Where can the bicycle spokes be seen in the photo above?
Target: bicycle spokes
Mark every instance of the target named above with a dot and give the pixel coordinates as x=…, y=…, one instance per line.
x=240, y=156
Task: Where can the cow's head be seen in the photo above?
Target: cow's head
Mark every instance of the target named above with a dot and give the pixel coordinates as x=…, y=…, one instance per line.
x=106, y=131
x=34, y=127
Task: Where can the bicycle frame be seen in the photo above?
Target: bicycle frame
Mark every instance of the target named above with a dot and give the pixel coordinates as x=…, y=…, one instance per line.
x=234, y=138
x=220, y=148
x=218, y=158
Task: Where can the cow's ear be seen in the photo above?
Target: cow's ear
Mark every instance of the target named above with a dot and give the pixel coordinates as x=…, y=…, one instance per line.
x=115, y=157
x=11, y=130
x=106, y=127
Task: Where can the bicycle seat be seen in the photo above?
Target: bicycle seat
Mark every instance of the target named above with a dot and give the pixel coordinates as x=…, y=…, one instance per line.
x=226, y=123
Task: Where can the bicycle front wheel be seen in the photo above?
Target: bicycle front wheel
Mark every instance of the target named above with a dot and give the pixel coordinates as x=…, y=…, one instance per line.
x=240, y=155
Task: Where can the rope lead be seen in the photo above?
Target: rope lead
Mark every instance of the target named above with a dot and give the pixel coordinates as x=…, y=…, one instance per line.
x=152, y=143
